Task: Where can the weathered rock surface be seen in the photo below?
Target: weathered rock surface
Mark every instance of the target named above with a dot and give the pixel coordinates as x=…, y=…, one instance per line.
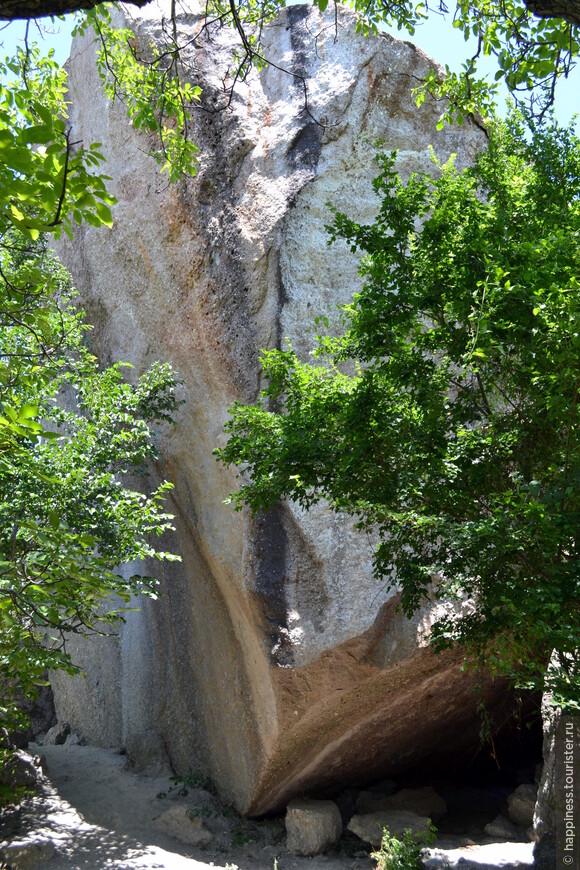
x=545, y=855
x=273, y=662
x=549, y=800
x=370, y=826
x=546, y=798
x=312, y=826
x=20, y=770
x=57, y=735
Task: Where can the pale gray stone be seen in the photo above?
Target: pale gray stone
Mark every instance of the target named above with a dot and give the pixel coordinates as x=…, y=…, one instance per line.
x=180, y=822
x=546, y=798
x=27, y=854
x=272, y=660
x=312, y=826
x=147, y=755
x=521, y=805
x=369, y=827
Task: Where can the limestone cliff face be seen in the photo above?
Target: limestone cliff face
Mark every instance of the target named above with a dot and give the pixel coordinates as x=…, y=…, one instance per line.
x=273, y=662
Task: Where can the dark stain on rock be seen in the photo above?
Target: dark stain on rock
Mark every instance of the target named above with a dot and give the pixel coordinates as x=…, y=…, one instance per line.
x=282, y=300
x=271, y=555
x=307, y=572
x=304, y=149
x=300, y=37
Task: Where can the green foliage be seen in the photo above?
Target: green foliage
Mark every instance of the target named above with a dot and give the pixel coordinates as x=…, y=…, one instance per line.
x=456, y=440
x=405, y=853
x=10, y=795
x=72, y=532
x=532, y=53
x=242, y=835
x=46, y=185
x=68, y=521
x=158, y=101
x=187, y=781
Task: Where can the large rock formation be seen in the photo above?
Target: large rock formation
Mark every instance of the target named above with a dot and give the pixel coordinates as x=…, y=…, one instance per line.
x=273, y=662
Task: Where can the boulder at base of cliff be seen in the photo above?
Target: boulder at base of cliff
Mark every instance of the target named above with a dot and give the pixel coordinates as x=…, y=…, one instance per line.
x=312, y=826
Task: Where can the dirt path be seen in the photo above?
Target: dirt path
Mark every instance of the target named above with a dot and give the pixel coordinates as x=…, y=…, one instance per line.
x=92, y=813
x=98, y=815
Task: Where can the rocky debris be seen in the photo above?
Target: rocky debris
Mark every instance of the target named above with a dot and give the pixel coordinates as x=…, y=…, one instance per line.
x=503, y=829
x=312, y=826
x=40, y=715
x=57, y=735
x=369, y=827
x=27, y=854
x=346, y=802
x=370, y=800
x=422, y=801
x=179, y=822
x=97, y=814
x=521, y=805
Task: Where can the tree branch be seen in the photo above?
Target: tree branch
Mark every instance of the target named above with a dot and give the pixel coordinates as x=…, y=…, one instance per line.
x=21, y=9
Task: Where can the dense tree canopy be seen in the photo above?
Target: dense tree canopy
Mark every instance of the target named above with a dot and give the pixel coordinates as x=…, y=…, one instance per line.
x=457, y=439
x=69, y=432
x=11, y=10
x=14, y=9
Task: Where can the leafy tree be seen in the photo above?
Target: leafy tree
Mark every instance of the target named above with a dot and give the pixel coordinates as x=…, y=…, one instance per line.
x=69, y=432
x=457, y=438
x=68, y=521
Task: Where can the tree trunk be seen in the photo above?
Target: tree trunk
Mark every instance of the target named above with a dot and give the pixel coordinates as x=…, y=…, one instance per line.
x=13, y=9
x=569, y=10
